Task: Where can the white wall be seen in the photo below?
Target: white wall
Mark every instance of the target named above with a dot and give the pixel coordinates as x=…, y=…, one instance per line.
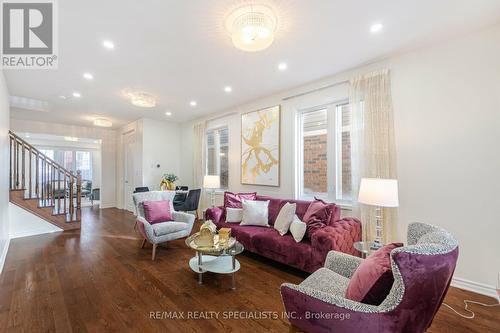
x=156, y=142
x=161, y=145
x=4, y=170
x=108, y=149
x=447, y=120
x=23, y=223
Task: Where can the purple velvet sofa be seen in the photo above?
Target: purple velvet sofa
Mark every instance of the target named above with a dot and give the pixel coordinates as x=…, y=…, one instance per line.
x=307, y=255
x=422, y=273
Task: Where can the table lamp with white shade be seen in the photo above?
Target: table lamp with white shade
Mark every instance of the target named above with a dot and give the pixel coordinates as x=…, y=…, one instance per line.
x=211, y=182
x=380, y=193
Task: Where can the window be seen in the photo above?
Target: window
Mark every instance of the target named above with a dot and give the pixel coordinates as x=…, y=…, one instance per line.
x=72, y=160
x=324, y=153
x=84, y=164
x=217, y=154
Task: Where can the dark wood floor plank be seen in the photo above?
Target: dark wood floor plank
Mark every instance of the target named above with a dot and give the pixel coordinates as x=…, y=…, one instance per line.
x=100, y=280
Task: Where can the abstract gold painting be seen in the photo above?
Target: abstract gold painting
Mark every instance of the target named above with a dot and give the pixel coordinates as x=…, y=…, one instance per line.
x=260, y=147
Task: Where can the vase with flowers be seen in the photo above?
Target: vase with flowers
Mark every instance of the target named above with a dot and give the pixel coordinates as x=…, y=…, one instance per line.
x=168, y=182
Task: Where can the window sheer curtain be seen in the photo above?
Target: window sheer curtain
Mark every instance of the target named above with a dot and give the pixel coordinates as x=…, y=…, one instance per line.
x=373, y=152
x=199, y=131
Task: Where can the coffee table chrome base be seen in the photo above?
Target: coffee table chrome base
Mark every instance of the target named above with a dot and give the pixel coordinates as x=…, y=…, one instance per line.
x=224, y=264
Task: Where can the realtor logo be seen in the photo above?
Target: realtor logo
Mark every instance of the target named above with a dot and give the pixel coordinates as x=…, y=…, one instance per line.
x=29, y=34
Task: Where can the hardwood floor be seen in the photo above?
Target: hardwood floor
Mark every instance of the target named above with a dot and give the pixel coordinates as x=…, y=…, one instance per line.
x=102, y=281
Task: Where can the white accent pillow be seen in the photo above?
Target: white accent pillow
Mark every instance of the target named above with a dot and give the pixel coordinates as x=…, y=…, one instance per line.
x=298, y=229
x=234, y=215
x=255, y=212
x=285, y=218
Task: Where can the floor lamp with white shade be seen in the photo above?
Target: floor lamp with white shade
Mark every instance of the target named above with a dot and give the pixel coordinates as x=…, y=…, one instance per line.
x=211, y=182
x=380, y=193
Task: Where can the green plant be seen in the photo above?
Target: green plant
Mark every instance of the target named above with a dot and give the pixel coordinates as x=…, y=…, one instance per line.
x=170, y=177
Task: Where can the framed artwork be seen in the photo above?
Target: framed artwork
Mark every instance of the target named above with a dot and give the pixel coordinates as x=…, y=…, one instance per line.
x=260, y=147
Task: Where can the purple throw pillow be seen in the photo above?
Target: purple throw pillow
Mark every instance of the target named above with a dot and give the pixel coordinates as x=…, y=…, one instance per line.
x=233, y=200
x=157, y=211
x=316, y=216
x=372, y=281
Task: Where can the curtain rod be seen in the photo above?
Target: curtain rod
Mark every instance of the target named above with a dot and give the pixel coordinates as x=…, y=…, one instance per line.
x=315, y=90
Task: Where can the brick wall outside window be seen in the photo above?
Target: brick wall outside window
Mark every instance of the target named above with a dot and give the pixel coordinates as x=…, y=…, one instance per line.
x=315, y=164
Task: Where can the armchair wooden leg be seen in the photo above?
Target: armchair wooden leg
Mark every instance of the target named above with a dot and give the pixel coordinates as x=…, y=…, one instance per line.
x=154, y=251
x=135, y=225
x=143, y=243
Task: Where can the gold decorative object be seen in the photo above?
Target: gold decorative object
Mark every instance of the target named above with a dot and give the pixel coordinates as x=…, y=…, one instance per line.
x=224, y=235
x=168, y=182
x=260, y=147
x=206, y=235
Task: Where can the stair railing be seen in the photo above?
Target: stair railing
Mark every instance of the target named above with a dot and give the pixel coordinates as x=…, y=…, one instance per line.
x=42, y=178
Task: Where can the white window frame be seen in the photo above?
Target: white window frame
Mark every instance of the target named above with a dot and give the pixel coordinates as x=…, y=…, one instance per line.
x=217, y=146
x=334, y=151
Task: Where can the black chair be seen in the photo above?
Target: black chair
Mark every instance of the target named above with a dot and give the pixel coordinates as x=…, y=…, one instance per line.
x=141, y=189
x=181, y=188
x=191, y=203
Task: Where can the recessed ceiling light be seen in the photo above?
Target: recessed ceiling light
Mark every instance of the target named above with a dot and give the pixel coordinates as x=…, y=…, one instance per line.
x=193, y=103
x=282, y=66
x=88, y=76
x=77, y=94
x=228, y=89
x=27, y=136
x=108, y=44
x=168, y=113
x=101, y=122
x=377, y=27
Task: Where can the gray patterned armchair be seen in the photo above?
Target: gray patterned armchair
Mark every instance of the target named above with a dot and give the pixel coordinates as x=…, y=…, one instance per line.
x=422, y=273
x=161, y=232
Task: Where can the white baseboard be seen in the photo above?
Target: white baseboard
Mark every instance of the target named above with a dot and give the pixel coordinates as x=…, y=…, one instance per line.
x=34, y=232
x=4, y=254
x=476, y=287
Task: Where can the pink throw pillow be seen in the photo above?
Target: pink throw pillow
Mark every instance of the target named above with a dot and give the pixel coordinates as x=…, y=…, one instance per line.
x=316, y=216
x=233, y=200
x=157, y=211
x=372, y=281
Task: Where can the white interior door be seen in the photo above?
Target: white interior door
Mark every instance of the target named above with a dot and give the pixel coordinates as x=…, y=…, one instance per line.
x=129, y=170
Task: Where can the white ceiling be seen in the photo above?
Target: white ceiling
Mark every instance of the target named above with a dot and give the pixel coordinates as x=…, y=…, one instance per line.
x=179, y=51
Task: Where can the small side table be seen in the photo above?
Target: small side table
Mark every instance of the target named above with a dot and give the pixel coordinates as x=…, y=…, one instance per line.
x=364, y=248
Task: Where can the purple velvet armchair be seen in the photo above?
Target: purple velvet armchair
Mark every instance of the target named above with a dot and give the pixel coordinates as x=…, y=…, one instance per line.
x=422, y=273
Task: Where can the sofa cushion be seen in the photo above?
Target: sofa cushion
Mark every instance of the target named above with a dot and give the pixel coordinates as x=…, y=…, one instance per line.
x=317, y=216
x=285, y=218
x=297, y=229
x=165, y=228
x=372, y=281
x=157, y=211
x=283, y=248
x=327, y=281
x=255, y=213
x=273, y=208
x=245, y=233
x=234, y=215
x=233, y=200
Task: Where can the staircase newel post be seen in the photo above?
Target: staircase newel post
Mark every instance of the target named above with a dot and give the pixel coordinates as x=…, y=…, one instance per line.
x=78, y=194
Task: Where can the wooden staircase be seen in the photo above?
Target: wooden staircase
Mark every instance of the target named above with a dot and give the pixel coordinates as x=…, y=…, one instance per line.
x=44, y=188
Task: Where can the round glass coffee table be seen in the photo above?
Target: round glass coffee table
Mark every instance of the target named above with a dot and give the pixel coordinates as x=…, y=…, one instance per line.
x=216, y=259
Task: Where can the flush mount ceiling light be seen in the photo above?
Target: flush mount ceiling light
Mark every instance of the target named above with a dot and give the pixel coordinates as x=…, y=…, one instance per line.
x=141, y=99
x=252, y=27
x=101, y=122
x=377, y=27
x=108, y=44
